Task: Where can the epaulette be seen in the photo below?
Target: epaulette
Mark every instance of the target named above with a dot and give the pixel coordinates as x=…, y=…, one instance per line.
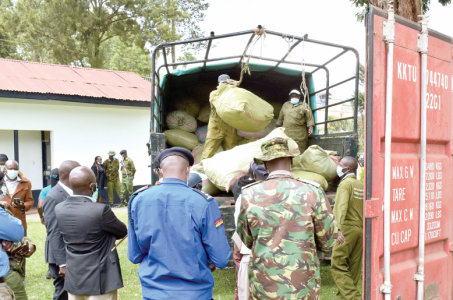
x=309, y=182
x=205, y=195
x=249, y=185
x=129, y=205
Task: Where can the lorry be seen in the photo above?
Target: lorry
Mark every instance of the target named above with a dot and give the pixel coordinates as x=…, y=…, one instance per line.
x=408, y=249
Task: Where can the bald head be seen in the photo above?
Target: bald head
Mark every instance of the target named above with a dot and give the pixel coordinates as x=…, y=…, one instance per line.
x=82, y=181
x=350, y=163
x=65, y=168
x=175, y=167
x=12, y=165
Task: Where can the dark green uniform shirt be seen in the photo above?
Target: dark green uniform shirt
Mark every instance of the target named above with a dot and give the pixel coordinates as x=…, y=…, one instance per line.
x=130, y=167
x=112, y=169
x=348, y=207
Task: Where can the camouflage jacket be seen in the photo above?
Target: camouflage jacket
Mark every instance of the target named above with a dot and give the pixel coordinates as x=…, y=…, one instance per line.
x=112, y=169
x=16, y=256
x=283, y=221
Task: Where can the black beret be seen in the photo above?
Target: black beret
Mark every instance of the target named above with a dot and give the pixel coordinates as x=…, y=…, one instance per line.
x=123, y=151
x=156, y=162
x=184, y=153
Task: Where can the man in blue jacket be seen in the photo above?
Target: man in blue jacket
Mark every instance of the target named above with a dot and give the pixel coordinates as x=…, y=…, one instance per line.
x=175, y=233
x=11, y=230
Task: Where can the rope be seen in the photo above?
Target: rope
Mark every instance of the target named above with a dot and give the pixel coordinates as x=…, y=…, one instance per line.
x=289, y=41
x=260, y=34
x=303, y=85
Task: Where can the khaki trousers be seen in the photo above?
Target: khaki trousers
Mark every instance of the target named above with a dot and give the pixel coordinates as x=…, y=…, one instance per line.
x=16, y=283
x=5, y=292
x=114, y=185
x=113, y=295
x=127, y=186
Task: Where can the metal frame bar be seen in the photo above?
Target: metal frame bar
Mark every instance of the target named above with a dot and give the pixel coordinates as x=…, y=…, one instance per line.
x=335, y=120
x=335, y=104
x=278, y=62
x=286, y=55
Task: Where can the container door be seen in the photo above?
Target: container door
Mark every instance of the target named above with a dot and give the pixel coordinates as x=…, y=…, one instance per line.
x=405, y=165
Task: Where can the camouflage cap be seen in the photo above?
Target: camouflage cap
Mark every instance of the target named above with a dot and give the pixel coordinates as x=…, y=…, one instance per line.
x=111, y=153
x=275, y=148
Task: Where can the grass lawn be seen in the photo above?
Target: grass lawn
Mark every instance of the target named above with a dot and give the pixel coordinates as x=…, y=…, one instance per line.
x=40, y=288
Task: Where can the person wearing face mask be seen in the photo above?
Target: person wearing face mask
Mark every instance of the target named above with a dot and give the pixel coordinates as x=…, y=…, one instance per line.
x=3, y=160
x=112, y=167
x=347, y=251
x=297, y=118
x=175, y=233
x=89, y=231
x=283, y=221
x=17, y=187
x=101, y=178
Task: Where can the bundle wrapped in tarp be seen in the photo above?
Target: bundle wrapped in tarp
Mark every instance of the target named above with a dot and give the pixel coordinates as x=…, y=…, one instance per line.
x=201, y=134
x=241, y=109
x=298, y=173
x=224, y=168
x=317, y=160
x=181, y=120
x=181, y=138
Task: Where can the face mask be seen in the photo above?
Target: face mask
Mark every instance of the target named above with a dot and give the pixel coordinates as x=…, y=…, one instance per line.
x=294, y=100
x=12, y=174
x=2, y=167
x=114, y=156
x=3, y=189
x=98, y=163
x=340, y=172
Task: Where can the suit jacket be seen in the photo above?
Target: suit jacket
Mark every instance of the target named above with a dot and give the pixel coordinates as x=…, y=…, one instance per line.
x=89, y=230
x=23, y=191
x=55, y=252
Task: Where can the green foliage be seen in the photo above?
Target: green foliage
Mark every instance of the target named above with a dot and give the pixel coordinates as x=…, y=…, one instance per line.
x=97, y=33
x=362, y=174
x=340, y=126
x=187, y=57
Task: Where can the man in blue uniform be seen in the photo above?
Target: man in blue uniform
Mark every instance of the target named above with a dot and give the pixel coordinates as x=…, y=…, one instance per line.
x=175, y=233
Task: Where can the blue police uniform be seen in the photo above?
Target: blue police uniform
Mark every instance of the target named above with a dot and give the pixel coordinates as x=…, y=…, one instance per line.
x=174, y=233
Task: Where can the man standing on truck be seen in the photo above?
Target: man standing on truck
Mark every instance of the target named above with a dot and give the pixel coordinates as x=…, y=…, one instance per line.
x=218, y=131
x=298, y=120
x=283, y=220
x=347, y=251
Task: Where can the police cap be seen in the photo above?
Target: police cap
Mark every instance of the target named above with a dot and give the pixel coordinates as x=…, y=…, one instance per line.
x=123, y=151
x=184, y=153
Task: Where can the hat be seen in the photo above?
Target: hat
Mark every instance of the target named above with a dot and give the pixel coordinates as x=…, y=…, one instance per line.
x=294, y=92
x=111, y=153
x=223, y=78
x=275, y=148
x=123, y=151
x=184, y=153
x=194, y=179
x=259, y=170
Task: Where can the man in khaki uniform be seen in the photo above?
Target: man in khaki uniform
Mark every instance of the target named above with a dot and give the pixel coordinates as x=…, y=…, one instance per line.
x=347, y=251
x=128, y=168
x=298, y=120
x=219, y=132
x=112, y=166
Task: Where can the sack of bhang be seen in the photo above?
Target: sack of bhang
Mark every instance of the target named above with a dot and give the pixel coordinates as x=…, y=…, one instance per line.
x=188, y=105
x=181, y=138
x=260, y=134
x=298, y=173
x=197, y=152
x=241, y=109
x=316, y=160
x=202, y=133
x=205, y=113
x=181, y=120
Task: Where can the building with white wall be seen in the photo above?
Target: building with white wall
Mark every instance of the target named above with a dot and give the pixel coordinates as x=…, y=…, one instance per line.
x=51, y=113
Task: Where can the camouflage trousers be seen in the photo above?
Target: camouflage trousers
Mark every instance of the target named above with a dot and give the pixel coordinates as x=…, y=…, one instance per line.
x=276, y=291
x=16, y=283
x=347, y=263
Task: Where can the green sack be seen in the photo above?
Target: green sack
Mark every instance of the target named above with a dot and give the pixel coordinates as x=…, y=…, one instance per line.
x=181, y=138
x=209, y=187
x=297, y=173
x=181, y=120
x=197, y=152
x=188, y=105
x=241, y=109
x=316, y=160
x=205, y=113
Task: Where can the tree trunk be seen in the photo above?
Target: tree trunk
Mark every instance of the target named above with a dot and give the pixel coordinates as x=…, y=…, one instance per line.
x=409, y=9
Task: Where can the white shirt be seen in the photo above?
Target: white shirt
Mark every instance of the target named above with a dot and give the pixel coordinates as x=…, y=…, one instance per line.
x=237, y=210
x=67, y=189
x=12, y=185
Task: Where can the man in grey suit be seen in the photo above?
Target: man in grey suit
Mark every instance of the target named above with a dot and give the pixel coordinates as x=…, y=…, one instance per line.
x=89, y=230
x=55, y=252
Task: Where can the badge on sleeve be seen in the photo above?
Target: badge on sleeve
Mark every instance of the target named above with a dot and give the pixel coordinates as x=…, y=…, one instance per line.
x=218, y=222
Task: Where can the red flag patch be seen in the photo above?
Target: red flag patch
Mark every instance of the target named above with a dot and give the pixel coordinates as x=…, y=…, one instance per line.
x=218, y=222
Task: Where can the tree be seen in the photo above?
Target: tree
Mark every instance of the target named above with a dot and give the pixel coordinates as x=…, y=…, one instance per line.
x=78, y=32
x=408, y=9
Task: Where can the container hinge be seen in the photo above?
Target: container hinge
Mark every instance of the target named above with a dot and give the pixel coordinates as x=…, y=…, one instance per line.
x=386, y=288
x=371, y=208
x=419, y=277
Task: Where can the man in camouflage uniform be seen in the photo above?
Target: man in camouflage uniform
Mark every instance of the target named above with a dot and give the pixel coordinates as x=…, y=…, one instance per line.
x=17, y=253
x=284, y=221
x=128, y=172
x=112, y=167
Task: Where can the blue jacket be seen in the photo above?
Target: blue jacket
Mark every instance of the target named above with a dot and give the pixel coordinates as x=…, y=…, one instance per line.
x=176, y=233
x=10, y=230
